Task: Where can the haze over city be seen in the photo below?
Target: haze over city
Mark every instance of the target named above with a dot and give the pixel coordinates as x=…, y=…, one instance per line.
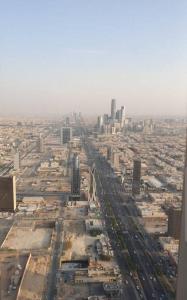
x=93, y=150
x=59, y=56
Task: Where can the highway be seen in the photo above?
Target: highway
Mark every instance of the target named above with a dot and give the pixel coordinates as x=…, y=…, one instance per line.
x=56, y=251
x=137, y=254
x=55, y=255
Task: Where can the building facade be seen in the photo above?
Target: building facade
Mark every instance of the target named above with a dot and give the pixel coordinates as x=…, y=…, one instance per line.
x=66, y=135
x=113, y=109
x=8, y=193
x=75, y=180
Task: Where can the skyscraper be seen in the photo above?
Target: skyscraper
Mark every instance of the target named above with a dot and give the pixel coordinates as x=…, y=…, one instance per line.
x=113, y=109
x=105, y=119
x=100, y=122
x=121, y=119
x=75, y=179
x=182, y=266
x=7, y=193
x=118, y=114
x=136, y=177
x=66, y=135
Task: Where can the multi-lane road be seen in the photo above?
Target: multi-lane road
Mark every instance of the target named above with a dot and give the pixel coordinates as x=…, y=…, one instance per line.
x=137, y=253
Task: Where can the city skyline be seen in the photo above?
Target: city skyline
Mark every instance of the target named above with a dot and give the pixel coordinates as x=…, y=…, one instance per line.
x=94, y=209
x=63, y=55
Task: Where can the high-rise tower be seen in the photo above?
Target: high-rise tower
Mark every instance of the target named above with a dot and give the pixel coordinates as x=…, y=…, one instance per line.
x=75, y=180
x=8, y=193
x=100, y=122
x=113, y=109
x=182, y=267
x=66, y=135
x=122, y=116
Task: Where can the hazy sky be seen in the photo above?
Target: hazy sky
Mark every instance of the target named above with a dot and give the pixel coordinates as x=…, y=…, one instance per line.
x=65, y=55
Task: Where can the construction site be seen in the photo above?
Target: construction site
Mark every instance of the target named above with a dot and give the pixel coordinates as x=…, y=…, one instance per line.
x=87, y=262
x=27, y=244
x=54, y=245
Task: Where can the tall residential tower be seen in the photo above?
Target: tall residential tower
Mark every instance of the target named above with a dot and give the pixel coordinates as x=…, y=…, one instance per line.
x=75, y=179
x=66, y=135
x=8, y=193
x=113, y=109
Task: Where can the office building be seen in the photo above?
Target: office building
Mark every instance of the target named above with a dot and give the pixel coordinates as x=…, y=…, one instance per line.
x=67, y=121
x=100, y=123
x=113, y=109
x=182, y=266
x=118, y=115
x=174, y=222
x=122, y=116
x=105, y=119
x=136, y=180
x=66, y=135
x=75, y=177
x=7, y=193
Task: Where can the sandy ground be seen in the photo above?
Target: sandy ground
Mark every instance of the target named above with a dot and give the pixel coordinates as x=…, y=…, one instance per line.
x=8, y=265
x=75, y=292
x=26, y=238
x=35, y=279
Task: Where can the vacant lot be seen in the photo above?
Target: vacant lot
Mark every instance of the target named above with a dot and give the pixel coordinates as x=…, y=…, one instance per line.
x=28, y=238
x=35, y=278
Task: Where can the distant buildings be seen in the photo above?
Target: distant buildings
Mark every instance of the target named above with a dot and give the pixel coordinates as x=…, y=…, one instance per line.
x=136, y=180
x=75, y=177
x=120, y=116
x=66, y=135
x=7, y=193
x=114, y=123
